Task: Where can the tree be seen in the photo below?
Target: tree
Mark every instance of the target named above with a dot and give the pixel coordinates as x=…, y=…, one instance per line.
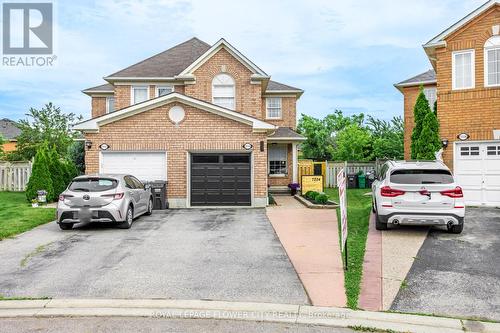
x=387, y=137
x=429, y=142
x=420, y=110
x=321, y=133
x=40, y=177
x=76, y=154
x=2, y=153
x=48, y=124
x=353, y=144
x=57, y=173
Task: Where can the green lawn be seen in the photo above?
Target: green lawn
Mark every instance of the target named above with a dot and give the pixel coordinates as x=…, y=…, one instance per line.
x=358, y=214
x=17, y=215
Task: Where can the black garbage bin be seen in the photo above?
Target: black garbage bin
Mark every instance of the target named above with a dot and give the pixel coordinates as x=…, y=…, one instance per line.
x=159, y=192
x=352, y=180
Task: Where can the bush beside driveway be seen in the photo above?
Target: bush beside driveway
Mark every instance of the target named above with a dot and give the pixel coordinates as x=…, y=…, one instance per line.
x=457, y=275
x=17, y=215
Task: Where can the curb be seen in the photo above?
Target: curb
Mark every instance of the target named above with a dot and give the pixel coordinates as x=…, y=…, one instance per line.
x=264, y=312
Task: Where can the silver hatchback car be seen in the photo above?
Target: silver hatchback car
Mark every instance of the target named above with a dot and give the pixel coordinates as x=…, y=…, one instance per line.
x=103, y=198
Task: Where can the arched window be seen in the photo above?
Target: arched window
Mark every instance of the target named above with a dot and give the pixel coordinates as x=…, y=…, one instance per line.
x=492, y=62
x=223, y=91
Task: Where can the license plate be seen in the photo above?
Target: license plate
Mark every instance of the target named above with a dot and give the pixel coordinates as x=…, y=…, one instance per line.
x=84, y=214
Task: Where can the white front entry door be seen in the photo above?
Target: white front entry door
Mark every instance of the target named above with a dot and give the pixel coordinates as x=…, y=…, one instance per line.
x=145, y=166
x=477, y=170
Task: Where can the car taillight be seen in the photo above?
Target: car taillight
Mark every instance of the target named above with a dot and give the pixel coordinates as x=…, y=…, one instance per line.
x=61, y=197
x=454, y=193
x=116, y=196
x=387, y=191
x=64, y=196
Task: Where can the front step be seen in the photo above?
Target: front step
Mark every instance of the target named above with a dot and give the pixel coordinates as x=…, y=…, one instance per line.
x=279, y=190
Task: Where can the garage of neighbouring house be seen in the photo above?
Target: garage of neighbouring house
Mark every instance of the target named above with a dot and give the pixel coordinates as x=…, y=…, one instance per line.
x=146, y=166
x=477, y=170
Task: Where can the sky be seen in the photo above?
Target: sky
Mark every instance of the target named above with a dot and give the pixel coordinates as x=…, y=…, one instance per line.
x=346, y=54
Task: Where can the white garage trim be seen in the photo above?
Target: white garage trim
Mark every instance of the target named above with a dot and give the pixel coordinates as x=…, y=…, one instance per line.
x=161, y=174
x=477, y=171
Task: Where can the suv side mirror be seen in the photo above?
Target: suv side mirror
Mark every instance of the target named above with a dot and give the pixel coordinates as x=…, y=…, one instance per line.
x=147, y=186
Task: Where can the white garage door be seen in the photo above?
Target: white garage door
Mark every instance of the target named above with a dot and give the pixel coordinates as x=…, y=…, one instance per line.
x=143, y=165
x=477, y=169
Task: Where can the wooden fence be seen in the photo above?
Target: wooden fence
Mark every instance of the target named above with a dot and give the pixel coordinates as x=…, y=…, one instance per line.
x=14, y=176
x=329, y=170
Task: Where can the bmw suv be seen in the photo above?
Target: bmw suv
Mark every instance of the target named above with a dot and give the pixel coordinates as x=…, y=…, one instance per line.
x=103, y=198
x=417, y=193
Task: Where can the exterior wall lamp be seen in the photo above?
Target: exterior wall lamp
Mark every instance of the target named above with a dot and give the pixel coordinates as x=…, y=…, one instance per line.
x=444, y=142
x=88, y=144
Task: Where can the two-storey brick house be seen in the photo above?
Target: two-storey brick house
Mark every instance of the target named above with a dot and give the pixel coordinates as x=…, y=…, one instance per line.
x=465, y=81
x=202, y=117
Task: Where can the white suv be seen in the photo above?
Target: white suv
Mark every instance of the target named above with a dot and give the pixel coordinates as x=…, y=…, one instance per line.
x=417, y=193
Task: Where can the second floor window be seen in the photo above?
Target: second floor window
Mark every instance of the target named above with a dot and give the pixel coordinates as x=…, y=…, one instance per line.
x=431, y=95
x=223, y=91
x=492, y=62
x=463, y=70
x=273, y=108
x=110, y=104
x=139, y=94
x=163, y=90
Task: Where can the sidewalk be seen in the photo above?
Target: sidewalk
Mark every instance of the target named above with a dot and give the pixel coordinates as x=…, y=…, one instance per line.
x=255, y=312
x=310, y=238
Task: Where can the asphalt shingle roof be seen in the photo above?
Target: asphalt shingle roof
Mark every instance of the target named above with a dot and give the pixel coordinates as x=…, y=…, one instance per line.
x=276, y=86
x=103, y=87
x=428, y=76
x=9, y=129
x=168, y=63
x=285, y=132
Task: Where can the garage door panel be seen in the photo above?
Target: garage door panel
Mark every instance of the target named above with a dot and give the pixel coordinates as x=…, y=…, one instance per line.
x=226, y=183
x=146, y=166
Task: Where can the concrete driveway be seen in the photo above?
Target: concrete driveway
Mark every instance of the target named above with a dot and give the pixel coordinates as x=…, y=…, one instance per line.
x=221, y=254
x=457, y=275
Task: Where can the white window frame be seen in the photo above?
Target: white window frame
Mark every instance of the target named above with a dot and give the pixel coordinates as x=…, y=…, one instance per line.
x=233, y=91
x=473, y=69
x=157, y=89
x=486, y=49
x=435, y=94
x=132, y=88
x=285, y=148
x=108, y=110
x=280, y=108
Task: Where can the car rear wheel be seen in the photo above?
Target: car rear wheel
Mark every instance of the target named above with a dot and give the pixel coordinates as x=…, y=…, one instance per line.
x=129, y=219
x=456, y=229
x=150, y=207
x=66, y=226
x=378, y=224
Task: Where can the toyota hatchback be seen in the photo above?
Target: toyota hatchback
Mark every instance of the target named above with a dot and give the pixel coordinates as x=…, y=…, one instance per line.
x=418, y=193
x=103, y=198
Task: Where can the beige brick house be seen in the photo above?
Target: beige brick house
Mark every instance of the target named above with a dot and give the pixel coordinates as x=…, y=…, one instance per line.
x=202, y=117
x=465, y=81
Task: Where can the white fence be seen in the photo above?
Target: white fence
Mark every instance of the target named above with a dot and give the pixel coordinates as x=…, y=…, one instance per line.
x=14, y=176
x=332, y=169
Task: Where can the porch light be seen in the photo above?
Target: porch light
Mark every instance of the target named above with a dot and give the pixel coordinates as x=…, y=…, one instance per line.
x=444, y=142
x=88, y=144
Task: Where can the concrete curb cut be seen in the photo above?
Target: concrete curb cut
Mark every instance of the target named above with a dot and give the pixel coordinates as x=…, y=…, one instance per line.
x=266, y=312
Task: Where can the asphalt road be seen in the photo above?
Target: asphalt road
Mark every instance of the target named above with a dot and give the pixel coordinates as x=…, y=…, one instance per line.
x=457, y=275
x=220, y=254
x=151, y=325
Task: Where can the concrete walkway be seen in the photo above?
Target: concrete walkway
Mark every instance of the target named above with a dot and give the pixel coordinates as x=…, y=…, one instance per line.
x=310, y=238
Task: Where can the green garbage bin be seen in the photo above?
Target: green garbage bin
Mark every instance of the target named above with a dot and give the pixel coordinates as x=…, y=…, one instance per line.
x=361, y=181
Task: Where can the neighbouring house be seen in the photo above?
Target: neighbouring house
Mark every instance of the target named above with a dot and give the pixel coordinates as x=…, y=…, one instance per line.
x=9, y=132
x=465, y=81
x=204, y=118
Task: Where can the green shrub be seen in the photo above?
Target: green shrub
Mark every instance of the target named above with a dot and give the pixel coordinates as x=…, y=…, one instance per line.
x=70, y=171
x=311, y=194
x=314, y=195
x=321, y=199
x=271, y=199
x=40, y=176
x=308, y=194
x=57, y=173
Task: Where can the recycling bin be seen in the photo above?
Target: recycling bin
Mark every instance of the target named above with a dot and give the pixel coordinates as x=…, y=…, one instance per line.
x=352, y=180
x=159, y=192
x=362, y=181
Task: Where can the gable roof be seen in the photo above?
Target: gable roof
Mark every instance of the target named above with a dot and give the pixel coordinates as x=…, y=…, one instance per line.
x=9, y=129
x=92, y=125
x=103, y=89
x=439, y=39
x=222, y=43
x=166, y=64
x=428, y=77
x=286, y=134
x=277, y=86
